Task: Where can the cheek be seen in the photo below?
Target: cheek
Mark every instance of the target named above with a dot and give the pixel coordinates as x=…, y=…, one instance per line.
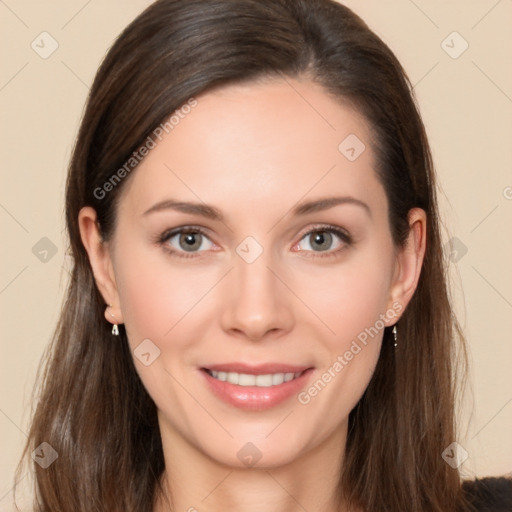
x=350, y=300
x=157, y=294
x=163, y=301
x=348, y=297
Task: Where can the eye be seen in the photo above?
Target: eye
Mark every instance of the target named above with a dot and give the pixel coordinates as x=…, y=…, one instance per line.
x=324, y=239
x=186, y=240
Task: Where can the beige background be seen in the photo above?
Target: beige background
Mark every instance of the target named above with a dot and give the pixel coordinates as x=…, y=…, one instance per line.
x=467, y=107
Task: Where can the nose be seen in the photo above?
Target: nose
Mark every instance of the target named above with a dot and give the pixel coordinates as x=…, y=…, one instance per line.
x=258, y=305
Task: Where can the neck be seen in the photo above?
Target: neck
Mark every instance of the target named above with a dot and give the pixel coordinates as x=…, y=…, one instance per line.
x=194, y=482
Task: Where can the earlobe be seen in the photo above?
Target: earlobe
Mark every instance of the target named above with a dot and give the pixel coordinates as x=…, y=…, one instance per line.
x=410, y=259
x=101, y=262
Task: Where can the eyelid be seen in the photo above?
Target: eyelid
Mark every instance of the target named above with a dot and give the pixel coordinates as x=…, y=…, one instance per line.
x=326, y=227
x=185, y=228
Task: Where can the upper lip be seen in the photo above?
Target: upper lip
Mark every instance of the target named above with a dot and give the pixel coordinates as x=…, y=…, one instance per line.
x=260, y=369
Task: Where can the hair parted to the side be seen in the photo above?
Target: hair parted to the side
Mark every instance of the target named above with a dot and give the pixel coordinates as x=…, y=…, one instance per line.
x=92, y=407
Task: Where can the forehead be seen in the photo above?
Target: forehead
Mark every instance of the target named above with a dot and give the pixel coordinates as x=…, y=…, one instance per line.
x=249, y=145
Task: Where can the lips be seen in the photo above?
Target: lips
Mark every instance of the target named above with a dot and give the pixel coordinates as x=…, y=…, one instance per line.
x=255, y=387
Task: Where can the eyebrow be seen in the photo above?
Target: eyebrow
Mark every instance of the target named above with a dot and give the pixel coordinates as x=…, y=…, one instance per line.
x=201, y=209
x=213, y=213
x=329, y=202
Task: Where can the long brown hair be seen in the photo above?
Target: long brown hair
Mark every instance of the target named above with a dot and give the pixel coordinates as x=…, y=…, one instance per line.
x=92, y=407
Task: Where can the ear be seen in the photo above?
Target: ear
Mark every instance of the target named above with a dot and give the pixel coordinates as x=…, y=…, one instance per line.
x=409, y=260
x=100, y=258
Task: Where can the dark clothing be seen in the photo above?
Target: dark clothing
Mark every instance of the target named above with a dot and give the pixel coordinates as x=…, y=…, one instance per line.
x=489, y=494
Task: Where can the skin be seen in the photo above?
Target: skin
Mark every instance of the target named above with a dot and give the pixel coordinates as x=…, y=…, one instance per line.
x=254, y=152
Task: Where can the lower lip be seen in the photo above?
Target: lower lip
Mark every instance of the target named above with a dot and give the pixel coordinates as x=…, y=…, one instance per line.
x=255, y=398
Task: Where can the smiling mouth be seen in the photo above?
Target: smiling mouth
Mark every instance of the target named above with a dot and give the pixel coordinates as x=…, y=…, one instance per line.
x=246, y=379
x=256, y=387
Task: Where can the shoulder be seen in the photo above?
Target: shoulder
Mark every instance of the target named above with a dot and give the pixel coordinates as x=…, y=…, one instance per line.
x=489, y=494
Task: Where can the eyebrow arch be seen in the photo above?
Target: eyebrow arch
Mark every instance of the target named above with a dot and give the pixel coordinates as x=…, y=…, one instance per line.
x=328, y=202
x=213, y=213
x=201, y=209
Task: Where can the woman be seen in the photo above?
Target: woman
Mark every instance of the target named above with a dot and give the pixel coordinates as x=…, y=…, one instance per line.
x=258, y=316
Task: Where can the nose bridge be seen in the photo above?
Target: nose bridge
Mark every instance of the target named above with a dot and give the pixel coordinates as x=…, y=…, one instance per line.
x=257, y=303
x=255, y=282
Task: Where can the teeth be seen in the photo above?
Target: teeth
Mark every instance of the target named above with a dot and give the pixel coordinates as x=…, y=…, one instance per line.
x=262, y=381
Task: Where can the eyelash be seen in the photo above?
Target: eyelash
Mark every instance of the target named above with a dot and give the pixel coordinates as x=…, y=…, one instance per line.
x=341, y=234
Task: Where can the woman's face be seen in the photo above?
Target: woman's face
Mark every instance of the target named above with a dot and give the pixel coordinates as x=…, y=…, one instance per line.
x=253, y=240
